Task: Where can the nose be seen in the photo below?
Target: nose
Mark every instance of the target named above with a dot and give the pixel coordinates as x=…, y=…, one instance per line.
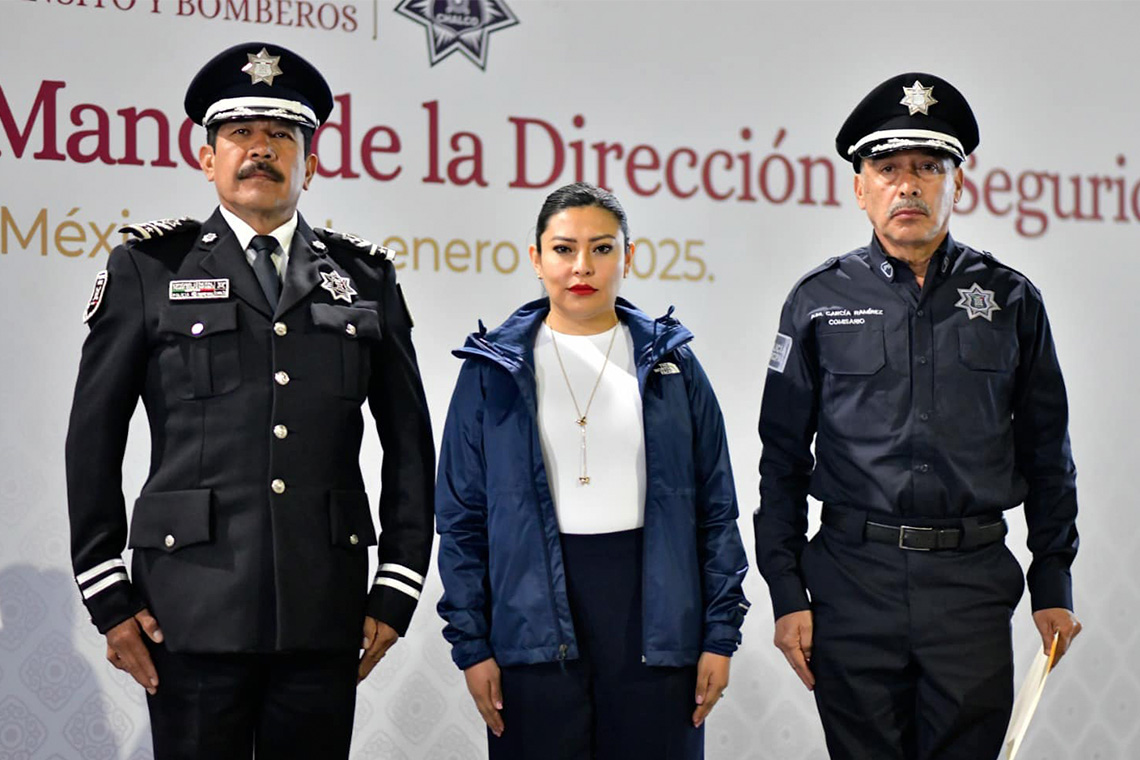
x=261, y=147
x=908, y=184
x=584, y=263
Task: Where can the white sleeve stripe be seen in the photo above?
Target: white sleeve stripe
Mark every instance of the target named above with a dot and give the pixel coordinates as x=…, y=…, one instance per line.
x=110, y=580
x=98, y=570
x=392, y=567
x=399, y=586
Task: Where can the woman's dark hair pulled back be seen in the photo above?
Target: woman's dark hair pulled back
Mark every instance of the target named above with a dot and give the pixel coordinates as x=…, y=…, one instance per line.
x=579, y=195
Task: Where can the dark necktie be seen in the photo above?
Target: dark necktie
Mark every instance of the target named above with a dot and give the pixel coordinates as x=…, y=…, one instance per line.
x=263, y=246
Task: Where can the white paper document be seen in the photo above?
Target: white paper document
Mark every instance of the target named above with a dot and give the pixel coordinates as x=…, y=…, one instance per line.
x=1027, y=698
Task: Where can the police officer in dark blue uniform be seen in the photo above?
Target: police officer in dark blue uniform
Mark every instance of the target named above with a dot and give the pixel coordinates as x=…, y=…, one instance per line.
x=253, y=341
x=924, y=371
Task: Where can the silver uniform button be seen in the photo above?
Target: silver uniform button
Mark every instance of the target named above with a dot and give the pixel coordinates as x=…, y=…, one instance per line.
x=354, y=539
x=280, y=431
x=197, y=328
x=350, y=329
x=281, y=378
x=169, y=540
x=278, y=485
x=280, y=328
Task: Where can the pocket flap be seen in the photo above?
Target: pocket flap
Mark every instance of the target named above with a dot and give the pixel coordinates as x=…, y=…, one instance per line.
x=198, y=320
x=860, y=352
x=987, y=349
x=171, y=520
x=350, y=520
x=352, y=321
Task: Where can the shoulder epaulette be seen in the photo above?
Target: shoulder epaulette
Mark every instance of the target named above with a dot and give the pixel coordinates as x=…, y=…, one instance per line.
x=160, y=228
x=996, y=262
x=353, y=242
x=830, y=263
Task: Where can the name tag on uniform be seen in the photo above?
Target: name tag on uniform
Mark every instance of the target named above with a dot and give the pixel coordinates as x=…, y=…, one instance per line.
x=196, y=290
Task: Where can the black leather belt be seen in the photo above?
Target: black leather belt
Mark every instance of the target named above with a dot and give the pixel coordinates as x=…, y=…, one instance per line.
x=967, y=533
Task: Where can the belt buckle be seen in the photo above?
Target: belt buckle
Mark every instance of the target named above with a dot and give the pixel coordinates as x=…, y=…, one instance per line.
x=902, y=533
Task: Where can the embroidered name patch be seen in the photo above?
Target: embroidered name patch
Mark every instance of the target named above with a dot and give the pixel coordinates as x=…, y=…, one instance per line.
x=197, y=290
x=780, y=352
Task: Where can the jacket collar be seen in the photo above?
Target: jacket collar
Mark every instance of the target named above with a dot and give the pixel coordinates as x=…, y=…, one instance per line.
x=886, y=267
x=223, y=256
x=511, y=344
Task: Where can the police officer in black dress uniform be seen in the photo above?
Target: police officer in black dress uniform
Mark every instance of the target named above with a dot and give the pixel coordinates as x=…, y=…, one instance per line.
x=253, y=341
x=925, y=372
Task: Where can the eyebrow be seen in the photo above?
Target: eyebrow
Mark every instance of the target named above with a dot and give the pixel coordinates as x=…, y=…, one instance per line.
x=594, y=239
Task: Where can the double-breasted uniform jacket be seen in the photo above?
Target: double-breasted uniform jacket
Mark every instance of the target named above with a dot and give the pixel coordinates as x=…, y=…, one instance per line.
x=252, y=530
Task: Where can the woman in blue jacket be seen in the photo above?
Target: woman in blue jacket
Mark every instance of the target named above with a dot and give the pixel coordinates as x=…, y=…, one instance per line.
x=589, y=552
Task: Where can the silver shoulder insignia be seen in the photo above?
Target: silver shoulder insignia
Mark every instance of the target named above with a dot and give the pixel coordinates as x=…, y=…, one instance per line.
x=157, y=228
x=355, y=241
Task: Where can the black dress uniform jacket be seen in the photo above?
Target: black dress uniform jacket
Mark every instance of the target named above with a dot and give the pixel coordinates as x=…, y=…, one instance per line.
x=252, y=530
x=942, y=403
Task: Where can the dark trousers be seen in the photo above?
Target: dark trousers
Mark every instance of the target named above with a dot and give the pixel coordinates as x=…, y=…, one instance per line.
x=229, y=706
x=606, y=705
x=912, y=650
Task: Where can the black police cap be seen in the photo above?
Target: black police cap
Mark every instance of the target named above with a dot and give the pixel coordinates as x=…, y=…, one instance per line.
x=909, y=111
x=259, y=80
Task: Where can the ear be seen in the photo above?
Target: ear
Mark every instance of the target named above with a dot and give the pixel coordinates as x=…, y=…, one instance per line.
x=628, y=259
x=535, y=259
x=859, y=198
x=206, y=161
x=959, y=179
x=310, y=169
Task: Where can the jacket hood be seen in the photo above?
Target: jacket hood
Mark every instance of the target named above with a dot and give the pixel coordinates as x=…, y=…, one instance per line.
x=511, y=344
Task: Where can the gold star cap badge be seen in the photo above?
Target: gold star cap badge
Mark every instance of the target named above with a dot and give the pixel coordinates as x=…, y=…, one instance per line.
x=918, y=99
x=263, y=67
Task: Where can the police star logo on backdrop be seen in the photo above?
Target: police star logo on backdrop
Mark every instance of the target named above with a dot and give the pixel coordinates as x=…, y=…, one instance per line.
x=978, y=302
x=340, y=287
x=262, y=67
x=918, y=99
x=463, y=26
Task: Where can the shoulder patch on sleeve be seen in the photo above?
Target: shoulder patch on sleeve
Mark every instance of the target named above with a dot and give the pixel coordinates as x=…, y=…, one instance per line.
x=354, y=242
x=160, y=227
x=96, y=299
x=780, y=352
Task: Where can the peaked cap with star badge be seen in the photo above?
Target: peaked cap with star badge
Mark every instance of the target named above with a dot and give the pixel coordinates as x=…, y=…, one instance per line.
x=909, y=111
x=259, y=80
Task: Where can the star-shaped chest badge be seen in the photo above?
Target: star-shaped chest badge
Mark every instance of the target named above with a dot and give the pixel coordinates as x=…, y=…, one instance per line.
x=978, y=302
x=918, y=99
x=340, y=287
x=262, y=67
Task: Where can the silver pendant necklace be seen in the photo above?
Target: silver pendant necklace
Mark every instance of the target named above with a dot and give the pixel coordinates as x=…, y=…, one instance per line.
x=583, y=474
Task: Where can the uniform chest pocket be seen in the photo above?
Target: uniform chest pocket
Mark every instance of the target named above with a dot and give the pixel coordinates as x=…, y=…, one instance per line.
x=985, y=349
x=349, y=333
x=856, y=352
x=208, y=341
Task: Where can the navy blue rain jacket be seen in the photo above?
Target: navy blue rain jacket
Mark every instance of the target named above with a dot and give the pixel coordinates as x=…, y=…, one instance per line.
x=500, y=555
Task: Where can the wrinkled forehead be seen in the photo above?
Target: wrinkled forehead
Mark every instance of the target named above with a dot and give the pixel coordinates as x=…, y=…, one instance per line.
x=910, y=155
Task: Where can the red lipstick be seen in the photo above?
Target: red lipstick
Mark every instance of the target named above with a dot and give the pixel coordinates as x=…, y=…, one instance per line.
x=582, y=289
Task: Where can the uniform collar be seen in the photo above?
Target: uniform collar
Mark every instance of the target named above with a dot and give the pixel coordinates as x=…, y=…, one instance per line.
x=244, y=233
x=887, y=267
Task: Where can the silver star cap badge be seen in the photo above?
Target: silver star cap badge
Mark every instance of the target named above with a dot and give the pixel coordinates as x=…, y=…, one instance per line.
x=918, y=99
x=340, y=287
x=977, y=302
x=262, y=67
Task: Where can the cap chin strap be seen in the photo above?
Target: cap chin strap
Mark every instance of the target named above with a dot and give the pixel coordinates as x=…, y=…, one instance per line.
x=266, y=108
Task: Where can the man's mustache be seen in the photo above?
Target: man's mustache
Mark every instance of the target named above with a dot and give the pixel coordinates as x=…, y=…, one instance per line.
x=909, y=203
x=260, y=167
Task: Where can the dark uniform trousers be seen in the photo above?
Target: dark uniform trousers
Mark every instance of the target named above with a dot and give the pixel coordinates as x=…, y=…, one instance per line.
x=912, y=650
x=251, y=533
x=607, y=704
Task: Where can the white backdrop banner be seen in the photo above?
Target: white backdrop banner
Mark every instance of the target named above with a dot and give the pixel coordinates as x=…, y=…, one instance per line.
x=713, y=122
